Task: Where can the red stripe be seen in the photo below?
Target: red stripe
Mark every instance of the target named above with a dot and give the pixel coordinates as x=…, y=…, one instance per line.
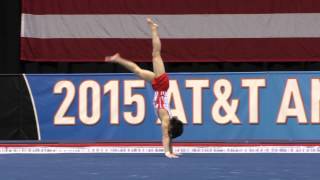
x=174, y=50
x=162, y=100
x=159, y=100
x=169, y=6
x=195, y=144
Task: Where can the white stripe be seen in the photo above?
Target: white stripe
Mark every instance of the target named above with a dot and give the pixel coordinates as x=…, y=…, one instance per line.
x=33, y=105
x=22, y=26
x=158, y=149
x=173, y=26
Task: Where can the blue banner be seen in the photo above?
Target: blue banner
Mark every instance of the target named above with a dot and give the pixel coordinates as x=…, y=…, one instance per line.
x=213, y=106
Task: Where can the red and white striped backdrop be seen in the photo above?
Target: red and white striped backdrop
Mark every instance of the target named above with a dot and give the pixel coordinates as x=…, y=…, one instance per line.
x=191, y=30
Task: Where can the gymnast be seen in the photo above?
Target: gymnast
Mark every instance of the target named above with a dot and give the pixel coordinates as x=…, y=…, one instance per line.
x=171, y=126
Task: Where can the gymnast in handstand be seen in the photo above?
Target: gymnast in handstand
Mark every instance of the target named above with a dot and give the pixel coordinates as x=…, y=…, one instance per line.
x=171, y=126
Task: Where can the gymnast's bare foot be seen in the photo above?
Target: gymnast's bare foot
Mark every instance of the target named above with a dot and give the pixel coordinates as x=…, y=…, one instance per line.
x=112, y=58
x=152, y=24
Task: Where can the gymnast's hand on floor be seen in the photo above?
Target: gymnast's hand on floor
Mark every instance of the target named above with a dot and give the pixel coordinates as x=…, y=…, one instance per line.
x=171, y=155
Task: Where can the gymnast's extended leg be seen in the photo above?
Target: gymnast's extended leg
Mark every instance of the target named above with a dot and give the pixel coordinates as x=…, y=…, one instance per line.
x=131, y=66
x=157, y=62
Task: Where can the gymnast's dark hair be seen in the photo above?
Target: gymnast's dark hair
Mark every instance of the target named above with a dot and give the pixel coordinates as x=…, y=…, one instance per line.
x=176, y=127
